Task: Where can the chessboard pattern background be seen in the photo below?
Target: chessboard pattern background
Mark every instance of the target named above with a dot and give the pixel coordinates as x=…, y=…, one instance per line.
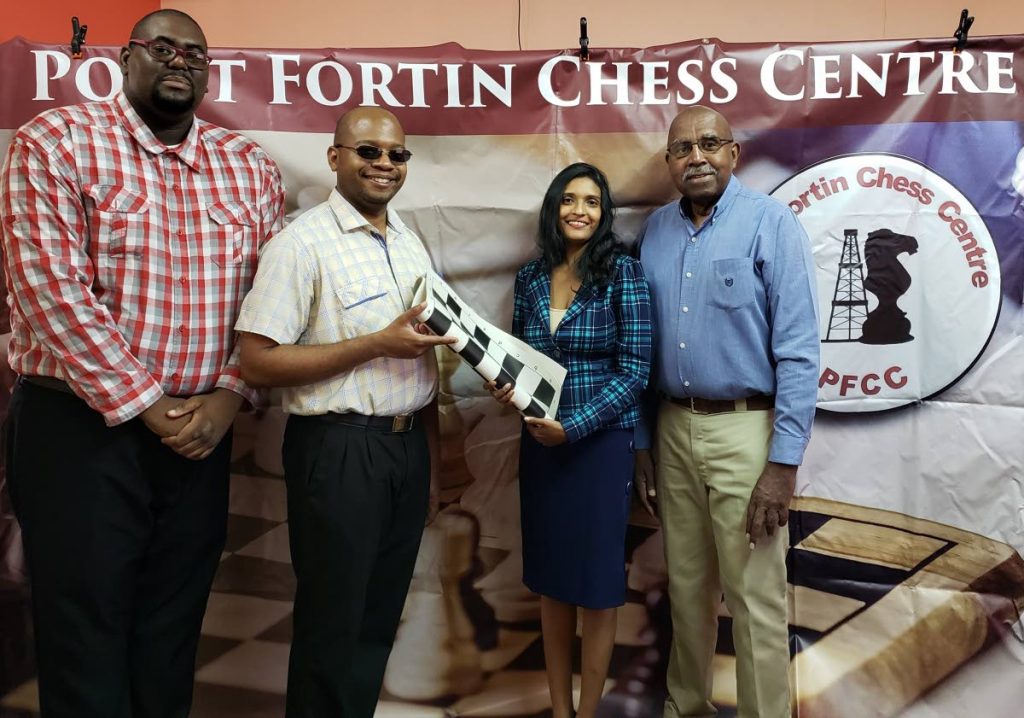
x=242, y=661
x=841, y=570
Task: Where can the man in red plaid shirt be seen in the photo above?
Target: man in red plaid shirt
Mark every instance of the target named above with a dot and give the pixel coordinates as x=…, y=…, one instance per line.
x=130, y=234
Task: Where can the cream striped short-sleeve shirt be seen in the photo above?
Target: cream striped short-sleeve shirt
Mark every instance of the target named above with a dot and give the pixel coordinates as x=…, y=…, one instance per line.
x=326, y=278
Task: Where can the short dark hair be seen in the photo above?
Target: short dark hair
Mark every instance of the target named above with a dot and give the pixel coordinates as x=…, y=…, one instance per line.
x=144, y=20
x=596, y=263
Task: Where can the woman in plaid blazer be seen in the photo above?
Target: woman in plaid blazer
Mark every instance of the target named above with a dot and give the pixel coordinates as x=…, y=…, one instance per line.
x=585, y=304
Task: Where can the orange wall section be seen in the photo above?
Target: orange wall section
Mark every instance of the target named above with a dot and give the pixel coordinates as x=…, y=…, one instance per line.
x=544, y=24
x=507, y=24
x=109, y=21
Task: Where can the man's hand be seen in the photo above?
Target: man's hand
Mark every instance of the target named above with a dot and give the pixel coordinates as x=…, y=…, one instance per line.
x=156, y=418
x=547, y=432
x=209, y=418
x=404, y=338
x=769, y=502
x=643, y=480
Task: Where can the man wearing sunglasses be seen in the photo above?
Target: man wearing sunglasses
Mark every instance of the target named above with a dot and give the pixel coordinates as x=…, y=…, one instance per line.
x=732, y=283
x=329, y=319
x=130, y=233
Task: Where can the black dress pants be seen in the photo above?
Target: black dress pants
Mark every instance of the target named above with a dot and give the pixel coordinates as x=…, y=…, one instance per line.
x=357, y=501
x=122, y=538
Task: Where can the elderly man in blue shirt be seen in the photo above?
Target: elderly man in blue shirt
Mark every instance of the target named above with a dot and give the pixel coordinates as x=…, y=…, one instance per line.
x=735, y=377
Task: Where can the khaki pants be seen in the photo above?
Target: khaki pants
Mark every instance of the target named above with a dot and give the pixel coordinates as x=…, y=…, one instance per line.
x=707, y=467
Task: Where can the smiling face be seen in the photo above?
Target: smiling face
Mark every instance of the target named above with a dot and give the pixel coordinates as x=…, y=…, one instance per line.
x=169, y=89
x=368, y=184
x=701, y=177
x=579, y=211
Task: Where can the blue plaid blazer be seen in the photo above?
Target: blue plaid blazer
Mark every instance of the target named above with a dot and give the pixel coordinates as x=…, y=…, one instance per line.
x=604, y=342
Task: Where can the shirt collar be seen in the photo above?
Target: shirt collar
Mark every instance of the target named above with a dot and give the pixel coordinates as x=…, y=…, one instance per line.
x=722, y=205
x=351, y=220
x=189, y=151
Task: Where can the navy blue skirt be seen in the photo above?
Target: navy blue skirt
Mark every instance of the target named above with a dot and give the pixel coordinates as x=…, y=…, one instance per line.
x=574, y=503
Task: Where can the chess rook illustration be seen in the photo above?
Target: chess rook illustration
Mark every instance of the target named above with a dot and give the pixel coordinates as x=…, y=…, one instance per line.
x=888, y=280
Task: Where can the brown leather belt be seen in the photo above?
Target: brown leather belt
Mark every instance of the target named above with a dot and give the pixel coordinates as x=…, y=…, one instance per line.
x=759, y=402
x=391, y=424
x=49, y=382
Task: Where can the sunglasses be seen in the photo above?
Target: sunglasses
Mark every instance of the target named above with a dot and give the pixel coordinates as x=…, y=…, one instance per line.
x=371, y=152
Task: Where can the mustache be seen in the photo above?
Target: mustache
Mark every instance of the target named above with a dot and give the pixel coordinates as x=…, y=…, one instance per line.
x=699, y=170
x=183, y=75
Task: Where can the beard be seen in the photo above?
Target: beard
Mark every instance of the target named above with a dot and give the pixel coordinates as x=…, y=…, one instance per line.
x=173, y=102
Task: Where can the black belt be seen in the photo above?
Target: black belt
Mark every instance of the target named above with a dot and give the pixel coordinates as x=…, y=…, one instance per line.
x=49, y=382
x=391, y=424
x=759, y=402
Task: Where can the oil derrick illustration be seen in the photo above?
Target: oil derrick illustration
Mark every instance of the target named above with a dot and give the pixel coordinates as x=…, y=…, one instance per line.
x=849, y=304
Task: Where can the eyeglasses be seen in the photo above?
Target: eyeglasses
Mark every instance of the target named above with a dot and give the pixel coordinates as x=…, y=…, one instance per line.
x=372, y=152
x=162, y=52
x=708, y=146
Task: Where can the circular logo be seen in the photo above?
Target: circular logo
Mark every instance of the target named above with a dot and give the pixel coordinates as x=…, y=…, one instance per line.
x=907, y=279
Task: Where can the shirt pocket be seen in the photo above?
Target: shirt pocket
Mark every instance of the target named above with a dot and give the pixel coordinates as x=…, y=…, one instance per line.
x=365, y=305
x=229, y=234
x=118, y=230
x=733, y=283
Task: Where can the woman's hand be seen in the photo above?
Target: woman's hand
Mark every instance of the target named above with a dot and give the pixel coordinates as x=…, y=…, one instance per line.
x=502, y=395
x=547, y=432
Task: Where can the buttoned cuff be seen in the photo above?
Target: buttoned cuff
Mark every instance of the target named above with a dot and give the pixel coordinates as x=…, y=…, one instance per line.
x=131, y=404
x=573, y=430
x=787, y=449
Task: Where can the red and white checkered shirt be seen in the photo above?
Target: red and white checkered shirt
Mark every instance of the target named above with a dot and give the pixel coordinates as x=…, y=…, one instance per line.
x=127, y=260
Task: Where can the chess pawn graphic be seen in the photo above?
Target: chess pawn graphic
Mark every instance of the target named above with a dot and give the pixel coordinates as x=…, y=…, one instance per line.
x=436, y=654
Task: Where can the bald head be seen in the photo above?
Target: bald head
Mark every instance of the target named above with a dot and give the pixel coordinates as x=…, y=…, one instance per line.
x=700, y=112
x=701, y=156
x=368, y=183
x=360, y=120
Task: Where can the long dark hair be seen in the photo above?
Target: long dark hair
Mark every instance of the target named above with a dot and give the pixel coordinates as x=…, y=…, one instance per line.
x=596, y=263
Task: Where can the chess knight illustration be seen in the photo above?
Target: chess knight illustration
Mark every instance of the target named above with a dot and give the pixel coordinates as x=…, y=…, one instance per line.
x=888, y=280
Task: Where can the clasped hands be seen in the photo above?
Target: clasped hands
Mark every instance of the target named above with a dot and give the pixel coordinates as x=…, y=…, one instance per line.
x=547, y=432
x=193, y=427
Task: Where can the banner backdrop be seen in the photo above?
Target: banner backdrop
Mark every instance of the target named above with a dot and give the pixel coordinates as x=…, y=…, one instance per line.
x=903, y=160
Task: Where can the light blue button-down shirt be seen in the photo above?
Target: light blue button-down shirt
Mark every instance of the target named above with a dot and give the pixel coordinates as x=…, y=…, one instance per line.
x=735, y=310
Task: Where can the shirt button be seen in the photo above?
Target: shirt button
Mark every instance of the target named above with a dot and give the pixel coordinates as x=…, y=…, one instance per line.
x=686, y=309
x=181, y=329
x=682, y=345
x=692, y=240
x=686, y=383
x=181, y=280
x=175, y=376
x=689, y=274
